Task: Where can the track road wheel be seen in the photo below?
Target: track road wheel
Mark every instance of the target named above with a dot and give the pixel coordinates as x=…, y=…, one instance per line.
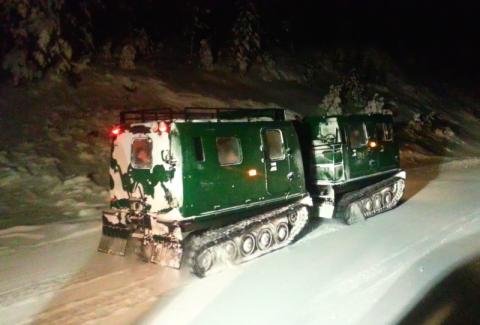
x=387, y=198
x=377, y=201
x=265, y=238
x=292, y=217
x=368, y=204
x=353, y=214
x=231, y=250
x=282, y=232
x=247, y=246
x=204, y=262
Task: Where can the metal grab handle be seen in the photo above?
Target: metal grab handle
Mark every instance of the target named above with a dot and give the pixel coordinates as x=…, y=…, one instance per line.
x=290, y=176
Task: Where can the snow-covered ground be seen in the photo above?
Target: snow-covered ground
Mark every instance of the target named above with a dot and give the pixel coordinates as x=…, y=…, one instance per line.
x=367, y=273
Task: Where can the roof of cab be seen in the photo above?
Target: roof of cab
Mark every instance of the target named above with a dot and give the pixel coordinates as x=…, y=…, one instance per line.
x=201, y=114
x=351, y=117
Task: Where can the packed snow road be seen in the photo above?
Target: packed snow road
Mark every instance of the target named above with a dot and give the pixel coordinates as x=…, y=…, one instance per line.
x=335, y=274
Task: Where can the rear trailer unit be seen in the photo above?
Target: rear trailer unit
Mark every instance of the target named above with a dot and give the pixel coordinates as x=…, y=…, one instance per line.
x=232, y=180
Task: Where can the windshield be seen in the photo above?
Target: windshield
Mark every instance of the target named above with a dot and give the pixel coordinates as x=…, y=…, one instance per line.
x=328, y=131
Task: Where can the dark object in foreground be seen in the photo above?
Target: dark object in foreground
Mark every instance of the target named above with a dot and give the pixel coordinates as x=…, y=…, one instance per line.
x=228, y=185
x=452, y=301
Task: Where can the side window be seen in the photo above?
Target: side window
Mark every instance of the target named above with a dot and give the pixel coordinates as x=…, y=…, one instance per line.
x=379, y=131
x=357, y=134
x=229, y=151
x=198, y=147
x=275, y=146
x=141, y=154
x=328, y=131
x=388, y=131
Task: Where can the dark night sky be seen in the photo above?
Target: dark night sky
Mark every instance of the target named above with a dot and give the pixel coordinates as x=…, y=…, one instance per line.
x=439, y=36
x=436, y=35
x=429, y=37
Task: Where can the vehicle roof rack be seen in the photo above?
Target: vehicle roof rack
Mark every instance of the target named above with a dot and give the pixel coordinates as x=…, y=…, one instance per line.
x=201, y=113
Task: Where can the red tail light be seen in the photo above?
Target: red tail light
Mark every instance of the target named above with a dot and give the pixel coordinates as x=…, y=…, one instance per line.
x=115, y=131
x=163, y=127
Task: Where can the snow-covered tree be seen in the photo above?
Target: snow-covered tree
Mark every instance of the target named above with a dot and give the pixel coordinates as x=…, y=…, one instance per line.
x=332, y=100
x=106, y=51
x=127, y=57
x=246, y=36
x=205, y=54
x=197, y=27
x=375, y=105
x=353, y=90
x=142, y=42
x=33, y=38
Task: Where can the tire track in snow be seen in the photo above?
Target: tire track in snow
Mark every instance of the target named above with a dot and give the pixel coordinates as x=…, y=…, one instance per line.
x=366, y=283
x=132, y=287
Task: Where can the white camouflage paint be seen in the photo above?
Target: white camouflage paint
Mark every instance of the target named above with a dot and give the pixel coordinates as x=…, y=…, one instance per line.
x=160, y=143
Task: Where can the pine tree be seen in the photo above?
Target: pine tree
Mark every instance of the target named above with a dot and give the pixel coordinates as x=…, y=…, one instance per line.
x=197, y=28
x=246, y=36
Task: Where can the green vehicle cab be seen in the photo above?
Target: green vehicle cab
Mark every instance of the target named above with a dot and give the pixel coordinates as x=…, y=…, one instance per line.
x=347, y=154
x=206, y=187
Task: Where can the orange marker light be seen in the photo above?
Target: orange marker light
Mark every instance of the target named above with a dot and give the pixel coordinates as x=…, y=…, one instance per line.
x=372, y=144
x=252, y=172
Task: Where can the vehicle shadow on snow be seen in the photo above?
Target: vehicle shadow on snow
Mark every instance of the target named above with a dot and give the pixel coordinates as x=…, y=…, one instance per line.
x=418, y=177
x=442, y=287
x=454, y=300
x=319, y=227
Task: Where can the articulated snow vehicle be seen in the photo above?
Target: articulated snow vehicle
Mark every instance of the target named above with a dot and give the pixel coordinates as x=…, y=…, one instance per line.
x=209, y=187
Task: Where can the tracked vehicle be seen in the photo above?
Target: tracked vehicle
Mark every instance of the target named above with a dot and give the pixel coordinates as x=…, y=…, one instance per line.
x=209, y=187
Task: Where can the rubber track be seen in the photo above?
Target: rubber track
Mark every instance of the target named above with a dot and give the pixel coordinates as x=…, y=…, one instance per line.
x=210, y=238
x=364, y=193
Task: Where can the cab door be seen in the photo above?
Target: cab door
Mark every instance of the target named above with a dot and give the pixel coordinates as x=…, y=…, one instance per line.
x=276, y=158
x=387, y=151
x=358, y=152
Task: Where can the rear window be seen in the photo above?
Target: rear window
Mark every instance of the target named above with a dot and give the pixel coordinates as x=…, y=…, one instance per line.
x=229, y=151
x=275, y=147
x=357, y=134
x=142, y=153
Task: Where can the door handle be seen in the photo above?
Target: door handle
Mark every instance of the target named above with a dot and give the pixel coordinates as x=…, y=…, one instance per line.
x=372, y=163
x=290, y=176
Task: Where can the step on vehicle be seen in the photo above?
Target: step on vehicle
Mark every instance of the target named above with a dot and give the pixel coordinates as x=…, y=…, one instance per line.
x=208, y=187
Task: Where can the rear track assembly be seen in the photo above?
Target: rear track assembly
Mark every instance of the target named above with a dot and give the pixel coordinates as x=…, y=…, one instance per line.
x=245, y=240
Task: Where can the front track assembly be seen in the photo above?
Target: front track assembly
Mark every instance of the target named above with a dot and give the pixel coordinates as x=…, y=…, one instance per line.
x=372, y=200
